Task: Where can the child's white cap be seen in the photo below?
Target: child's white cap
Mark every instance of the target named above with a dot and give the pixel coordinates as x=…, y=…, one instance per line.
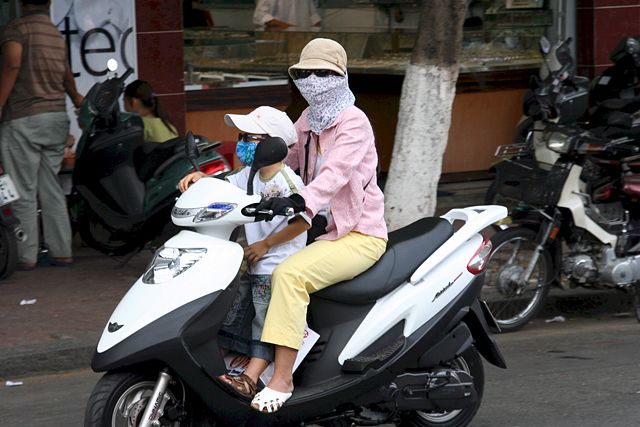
x=265, y=120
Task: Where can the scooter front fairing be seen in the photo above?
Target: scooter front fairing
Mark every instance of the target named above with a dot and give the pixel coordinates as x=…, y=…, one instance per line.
x=187, y=268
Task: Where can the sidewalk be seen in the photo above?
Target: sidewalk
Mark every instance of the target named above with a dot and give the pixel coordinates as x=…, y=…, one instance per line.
x=61, y=329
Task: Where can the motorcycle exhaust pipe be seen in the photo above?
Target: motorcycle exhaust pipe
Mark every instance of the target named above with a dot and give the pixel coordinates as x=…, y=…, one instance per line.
x=19, y=234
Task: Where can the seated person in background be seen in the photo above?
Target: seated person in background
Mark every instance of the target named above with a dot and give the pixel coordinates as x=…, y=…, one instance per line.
x=139, y=98
x=281, y=14
x=270, y=242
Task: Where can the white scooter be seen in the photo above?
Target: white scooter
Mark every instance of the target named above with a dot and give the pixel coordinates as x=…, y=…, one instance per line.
x=398, y=343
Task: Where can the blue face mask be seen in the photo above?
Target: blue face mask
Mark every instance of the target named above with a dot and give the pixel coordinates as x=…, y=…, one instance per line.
x=245, y=151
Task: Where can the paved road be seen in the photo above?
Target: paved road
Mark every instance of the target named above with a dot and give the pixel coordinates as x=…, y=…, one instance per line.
x=579, y=373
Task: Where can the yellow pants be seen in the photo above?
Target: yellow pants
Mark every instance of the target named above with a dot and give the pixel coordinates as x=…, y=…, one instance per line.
x=321, y=264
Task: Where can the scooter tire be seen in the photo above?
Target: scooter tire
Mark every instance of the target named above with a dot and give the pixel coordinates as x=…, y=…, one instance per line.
x=471, y=362
x=90, y=226
x=8, y=252
x=111, y=389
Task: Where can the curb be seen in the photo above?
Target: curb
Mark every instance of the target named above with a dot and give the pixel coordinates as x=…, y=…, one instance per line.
x=47, y=357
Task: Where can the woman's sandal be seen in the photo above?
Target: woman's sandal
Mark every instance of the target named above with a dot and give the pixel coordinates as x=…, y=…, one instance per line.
x=241, y=385
x=269, y=400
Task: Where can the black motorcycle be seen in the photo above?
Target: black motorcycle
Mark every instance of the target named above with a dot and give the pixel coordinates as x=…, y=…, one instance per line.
x=124, y=187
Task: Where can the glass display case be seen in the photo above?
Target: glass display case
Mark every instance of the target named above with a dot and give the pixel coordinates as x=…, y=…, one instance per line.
x=503, y=39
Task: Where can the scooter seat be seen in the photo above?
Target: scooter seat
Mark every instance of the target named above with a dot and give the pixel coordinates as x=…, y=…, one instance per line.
x=408, y=247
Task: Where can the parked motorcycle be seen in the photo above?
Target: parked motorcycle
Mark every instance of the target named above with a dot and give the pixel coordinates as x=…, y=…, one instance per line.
x=574, y=205
x=10, y=229
x=400, y=342
x=124, y=187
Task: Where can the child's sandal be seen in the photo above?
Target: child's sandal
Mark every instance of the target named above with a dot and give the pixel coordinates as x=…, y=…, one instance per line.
x=269, y=400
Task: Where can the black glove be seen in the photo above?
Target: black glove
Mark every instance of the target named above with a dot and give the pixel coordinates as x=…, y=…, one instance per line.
x=279, y=204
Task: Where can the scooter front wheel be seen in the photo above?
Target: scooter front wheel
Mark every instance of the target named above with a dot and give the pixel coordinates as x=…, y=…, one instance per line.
x=471, y=363
x=514, y=301
x=120, y=398
x=99, y=236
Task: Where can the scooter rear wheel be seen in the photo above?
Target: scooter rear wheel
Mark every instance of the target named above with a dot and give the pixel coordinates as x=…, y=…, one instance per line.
x=120, y=398
x=8, y=252
x=470, y=362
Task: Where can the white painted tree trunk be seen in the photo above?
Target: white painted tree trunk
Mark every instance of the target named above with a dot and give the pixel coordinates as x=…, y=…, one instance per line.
x=421, y=137
x=424, y=117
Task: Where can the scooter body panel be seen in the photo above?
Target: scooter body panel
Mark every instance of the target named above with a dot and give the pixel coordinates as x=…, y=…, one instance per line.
x=416, y=303
x=570, y=199
x=145, y=303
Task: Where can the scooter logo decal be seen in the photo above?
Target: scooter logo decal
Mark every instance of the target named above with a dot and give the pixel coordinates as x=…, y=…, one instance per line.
x=443, y=290
x=114, y=326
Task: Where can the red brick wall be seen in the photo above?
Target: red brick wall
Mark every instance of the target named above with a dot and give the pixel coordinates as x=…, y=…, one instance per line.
x=601, y=24
x=161, y=53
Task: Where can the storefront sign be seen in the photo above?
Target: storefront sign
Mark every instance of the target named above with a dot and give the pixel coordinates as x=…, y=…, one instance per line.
x=94, y=32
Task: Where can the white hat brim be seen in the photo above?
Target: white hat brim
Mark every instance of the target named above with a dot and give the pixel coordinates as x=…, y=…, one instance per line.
x=244, y=123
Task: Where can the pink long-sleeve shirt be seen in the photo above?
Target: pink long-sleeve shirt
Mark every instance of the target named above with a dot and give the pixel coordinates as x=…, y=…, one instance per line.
x=349, y=162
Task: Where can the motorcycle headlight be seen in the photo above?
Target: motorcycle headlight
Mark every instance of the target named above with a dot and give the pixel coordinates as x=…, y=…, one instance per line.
x=168, y=263
x=559, y=142
x=212, y=212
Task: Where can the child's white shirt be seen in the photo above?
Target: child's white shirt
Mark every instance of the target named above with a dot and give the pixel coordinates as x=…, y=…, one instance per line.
x=284, y=183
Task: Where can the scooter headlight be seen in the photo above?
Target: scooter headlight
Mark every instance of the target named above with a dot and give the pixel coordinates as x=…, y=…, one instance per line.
x=559, y=142
x=168, y=263
x=210, y=213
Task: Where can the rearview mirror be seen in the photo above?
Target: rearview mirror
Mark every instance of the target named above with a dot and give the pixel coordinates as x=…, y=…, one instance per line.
x=191, y=150
x=545, y=45
x=270, y=150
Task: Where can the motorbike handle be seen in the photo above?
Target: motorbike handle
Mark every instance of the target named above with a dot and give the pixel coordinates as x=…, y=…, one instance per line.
x=288, y=212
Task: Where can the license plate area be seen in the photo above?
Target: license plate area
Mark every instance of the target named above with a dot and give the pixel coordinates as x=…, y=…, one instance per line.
x=8, y=192
x=512, y=150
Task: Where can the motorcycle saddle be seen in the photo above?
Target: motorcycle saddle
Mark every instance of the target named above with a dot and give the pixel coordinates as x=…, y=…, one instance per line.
x=407, y=249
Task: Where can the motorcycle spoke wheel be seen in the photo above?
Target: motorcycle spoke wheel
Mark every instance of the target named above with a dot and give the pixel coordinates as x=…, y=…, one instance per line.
x=512, y=300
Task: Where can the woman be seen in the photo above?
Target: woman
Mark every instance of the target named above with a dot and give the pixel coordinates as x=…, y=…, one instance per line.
x=139, y=98
x=337, y=159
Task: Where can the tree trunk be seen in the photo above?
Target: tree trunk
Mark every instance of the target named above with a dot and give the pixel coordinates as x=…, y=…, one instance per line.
x=425, y=113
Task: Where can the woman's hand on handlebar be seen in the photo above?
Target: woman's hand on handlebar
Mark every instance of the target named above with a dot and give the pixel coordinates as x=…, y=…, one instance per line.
x=190, y=179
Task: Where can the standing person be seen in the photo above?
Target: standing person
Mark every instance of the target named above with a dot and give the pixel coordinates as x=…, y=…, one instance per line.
x=282, y=14
x=269, y=242
x=337, y=157
x=35, y=127
x=140, y=98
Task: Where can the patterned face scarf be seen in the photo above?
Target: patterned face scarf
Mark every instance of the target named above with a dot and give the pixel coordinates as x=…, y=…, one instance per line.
x=327, y=98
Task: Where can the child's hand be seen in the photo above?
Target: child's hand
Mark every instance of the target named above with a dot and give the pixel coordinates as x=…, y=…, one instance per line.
x=189, y=179
x=256, y=251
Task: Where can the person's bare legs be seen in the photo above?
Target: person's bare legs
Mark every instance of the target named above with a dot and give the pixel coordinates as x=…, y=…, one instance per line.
x=282, y=379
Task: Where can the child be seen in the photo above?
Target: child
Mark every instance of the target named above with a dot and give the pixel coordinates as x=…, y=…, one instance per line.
x=269, y=242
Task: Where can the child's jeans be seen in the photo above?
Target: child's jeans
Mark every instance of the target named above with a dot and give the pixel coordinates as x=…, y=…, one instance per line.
x=242, y=328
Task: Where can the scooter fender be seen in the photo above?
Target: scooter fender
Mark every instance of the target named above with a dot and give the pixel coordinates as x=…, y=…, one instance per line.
x=147, y=302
